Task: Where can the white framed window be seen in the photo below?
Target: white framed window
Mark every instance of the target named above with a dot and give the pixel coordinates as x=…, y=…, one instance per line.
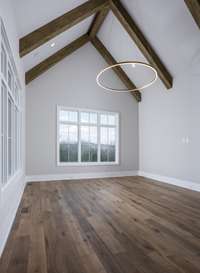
x=87, y=137
x=3, y=61
x=10, y=114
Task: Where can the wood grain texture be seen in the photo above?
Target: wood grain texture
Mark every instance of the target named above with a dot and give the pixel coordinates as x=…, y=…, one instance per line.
x=37, y=70
x=115, y=225
x=194, y=8
x=59, y=25
x=97, y=22
x=118, y=70
x=135, y=33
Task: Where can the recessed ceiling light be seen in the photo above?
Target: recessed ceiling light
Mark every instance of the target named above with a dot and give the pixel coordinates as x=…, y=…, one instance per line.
x=53, y=44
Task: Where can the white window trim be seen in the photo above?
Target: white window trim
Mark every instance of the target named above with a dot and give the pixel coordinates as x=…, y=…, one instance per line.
x=71, y=164
x=15, y=97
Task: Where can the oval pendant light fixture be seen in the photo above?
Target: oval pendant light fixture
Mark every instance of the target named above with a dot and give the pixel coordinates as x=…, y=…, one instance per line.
x=133, y=64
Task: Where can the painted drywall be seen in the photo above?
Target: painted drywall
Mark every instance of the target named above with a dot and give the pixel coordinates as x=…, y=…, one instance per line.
x=48, y=11
x=167, y=119
x=71, y=83
x=11, y=194
x=169, y=128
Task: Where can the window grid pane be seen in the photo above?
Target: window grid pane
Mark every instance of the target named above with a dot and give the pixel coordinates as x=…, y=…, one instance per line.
x=3, y=61
x=68, y=116
x=3, y=134
x=9, y=137
x=10, y=125
x=68, y=143
x=95, y=137
x=108, y=119
x=88, y=117
x=10, y=78
x=108, y=144
x=89, y=147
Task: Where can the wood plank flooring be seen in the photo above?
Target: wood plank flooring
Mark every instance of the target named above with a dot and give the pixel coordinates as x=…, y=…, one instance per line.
x=115, y=225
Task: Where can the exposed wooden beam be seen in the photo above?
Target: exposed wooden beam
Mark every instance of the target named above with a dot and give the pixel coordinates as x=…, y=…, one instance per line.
x=118, y=70
x=55, y=58
x=97, y=22
x=142, y=43
x=59, y=25
x=194, y=7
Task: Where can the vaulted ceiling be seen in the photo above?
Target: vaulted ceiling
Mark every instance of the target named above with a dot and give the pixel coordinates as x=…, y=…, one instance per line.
x=56, y=29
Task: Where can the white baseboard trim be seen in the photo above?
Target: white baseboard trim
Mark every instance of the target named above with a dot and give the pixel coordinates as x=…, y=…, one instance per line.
x=173, y=181
x=74, y=176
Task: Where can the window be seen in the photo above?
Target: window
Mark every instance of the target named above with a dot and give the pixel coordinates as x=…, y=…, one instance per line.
x=3, y=133
x=87, y=137
x=10, y=113
x=3, y=61
x=108, y=137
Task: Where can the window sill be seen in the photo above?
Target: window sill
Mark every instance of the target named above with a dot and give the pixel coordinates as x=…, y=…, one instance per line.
x=85, y=164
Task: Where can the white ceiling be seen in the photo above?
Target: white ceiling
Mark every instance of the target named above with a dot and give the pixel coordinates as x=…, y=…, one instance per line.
x=44, y=51
x=168, y=26
x=32, y=14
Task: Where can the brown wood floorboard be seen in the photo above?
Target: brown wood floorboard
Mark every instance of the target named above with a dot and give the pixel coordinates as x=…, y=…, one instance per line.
x=114, y=225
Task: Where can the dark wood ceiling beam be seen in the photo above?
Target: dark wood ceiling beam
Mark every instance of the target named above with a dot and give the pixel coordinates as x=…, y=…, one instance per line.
x=59, y=25
x=194, y=7
x=142, y=43
x=118, y=70
x=55, y=58
x=97, y=22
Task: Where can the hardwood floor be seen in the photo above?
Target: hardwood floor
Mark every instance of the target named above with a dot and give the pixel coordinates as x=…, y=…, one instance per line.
x=116, y=225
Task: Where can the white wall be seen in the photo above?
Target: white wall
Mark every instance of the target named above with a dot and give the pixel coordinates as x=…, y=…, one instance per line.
x=165, y=117
x=168, y=118
x=10, y=196
x=72, y=83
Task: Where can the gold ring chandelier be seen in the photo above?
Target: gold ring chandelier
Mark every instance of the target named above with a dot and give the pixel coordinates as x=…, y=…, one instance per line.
x=121, y=64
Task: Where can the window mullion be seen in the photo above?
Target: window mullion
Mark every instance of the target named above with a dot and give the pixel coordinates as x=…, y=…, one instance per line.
x=107, y=133
x=12, y=139
x=2, y=131
x=98, y=138
x=79, y=138
x=90, y=134
x=10, y=148
x=7, y=138
x=68, y=122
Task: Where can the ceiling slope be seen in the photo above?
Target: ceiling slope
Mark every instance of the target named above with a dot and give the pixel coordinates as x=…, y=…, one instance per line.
x=55, y=58
x=118, y=70
x=59, y=25
x=101, y=8
x=135, y=33
x=40, y=68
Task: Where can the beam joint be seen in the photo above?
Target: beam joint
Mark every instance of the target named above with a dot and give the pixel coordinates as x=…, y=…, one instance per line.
x=118, y=70
x=47, y=32
x=97, y=22
x=137, y=36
